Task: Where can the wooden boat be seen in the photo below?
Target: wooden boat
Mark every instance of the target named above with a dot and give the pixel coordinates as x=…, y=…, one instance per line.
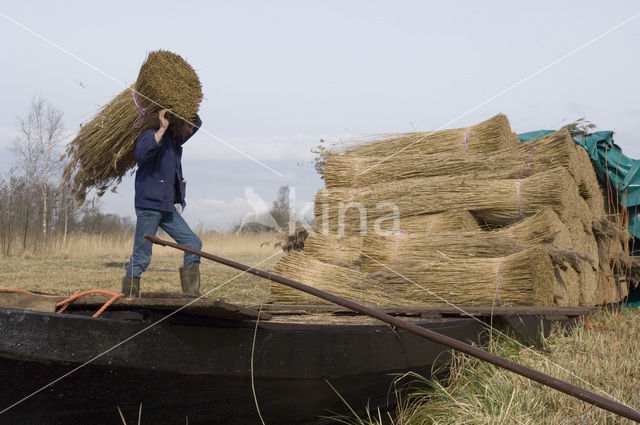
x=202, y=362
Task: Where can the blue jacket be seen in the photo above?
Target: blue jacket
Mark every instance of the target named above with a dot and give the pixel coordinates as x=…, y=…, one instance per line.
x=159, y=180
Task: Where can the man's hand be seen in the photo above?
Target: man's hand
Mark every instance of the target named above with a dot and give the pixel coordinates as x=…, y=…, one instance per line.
x=164, y=124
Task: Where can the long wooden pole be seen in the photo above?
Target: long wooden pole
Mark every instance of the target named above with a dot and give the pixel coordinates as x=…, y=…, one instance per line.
x=565, y=387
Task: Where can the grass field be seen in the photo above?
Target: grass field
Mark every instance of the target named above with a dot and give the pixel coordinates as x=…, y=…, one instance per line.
x=97, y=262
x=600, y=354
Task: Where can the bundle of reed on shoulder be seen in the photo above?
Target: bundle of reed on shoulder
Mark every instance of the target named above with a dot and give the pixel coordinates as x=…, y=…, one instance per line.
x=102, y=152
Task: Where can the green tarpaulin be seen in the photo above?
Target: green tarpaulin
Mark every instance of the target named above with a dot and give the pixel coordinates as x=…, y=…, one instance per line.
x=623, y=176
x=610, y=163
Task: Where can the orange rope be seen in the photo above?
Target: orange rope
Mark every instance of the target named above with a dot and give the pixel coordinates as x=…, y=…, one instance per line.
x=83, y=293
x=107, y=304
x=67, y=302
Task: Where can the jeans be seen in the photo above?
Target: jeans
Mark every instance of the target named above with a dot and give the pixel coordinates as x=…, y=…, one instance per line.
x=147, y=223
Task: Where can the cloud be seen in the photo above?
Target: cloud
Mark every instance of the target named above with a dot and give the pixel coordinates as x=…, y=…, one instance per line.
x=214, y=212
x=223, y=215
x=293, y=147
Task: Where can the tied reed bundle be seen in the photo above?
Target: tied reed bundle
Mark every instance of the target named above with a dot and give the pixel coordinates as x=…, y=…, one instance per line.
x=521, y=160
x=498, y=202
x=541, y=229
x=556, y=150
x=617, y=267
x=344, y=249
x=589, y=186
x=342, y=281
x=334, y=249
x=523, y=278
x=452, y=220
x=487, y=136
x=102, y=151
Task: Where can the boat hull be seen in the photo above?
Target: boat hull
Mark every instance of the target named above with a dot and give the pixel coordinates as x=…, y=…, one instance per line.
x=201, y=368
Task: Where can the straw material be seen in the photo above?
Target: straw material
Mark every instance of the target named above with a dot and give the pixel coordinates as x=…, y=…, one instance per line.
x=344, y=250
x=525, y=278
x=102, y=151
x=341, y=281
x=588, y=185
x=487, y=136
x=452, y=220
x=537, y=204
x=334, y=249
x=615, y=264
x=541, y=229
x=167, y=79
x=545, y=228
x=566, y=290
x=522, y=160
x=498, y=202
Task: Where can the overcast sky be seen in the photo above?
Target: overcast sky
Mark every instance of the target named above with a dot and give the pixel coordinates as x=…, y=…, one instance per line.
x=278, y=76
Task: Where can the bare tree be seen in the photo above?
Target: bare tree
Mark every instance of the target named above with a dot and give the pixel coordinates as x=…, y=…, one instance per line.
x=37, y=147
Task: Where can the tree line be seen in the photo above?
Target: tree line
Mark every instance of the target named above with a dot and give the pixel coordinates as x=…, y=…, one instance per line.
x=37, y=211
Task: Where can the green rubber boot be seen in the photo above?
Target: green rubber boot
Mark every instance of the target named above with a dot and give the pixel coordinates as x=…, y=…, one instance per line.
x=131, y=287
x=190, y=280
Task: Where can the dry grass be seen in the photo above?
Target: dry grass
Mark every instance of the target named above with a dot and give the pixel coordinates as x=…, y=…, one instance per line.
x=93, y=262
x=601, y=350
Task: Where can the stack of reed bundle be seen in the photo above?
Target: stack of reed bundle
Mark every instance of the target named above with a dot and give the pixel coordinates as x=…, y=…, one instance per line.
x=554, y=150
x=494, y=202
x=541, y=229
x=572, y=267
x=522, y=160
x=524, y=278
x=537, y=204
x=102, y=151
x=487, y=136
x=335, y=248
x=498, y=202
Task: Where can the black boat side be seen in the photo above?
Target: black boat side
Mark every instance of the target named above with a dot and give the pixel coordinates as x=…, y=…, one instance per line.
x=200, y=367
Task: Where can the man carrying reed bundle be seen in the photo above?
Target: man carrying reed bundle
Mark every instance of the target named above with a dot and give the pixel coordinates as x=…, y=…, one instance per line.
x=160, y=192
